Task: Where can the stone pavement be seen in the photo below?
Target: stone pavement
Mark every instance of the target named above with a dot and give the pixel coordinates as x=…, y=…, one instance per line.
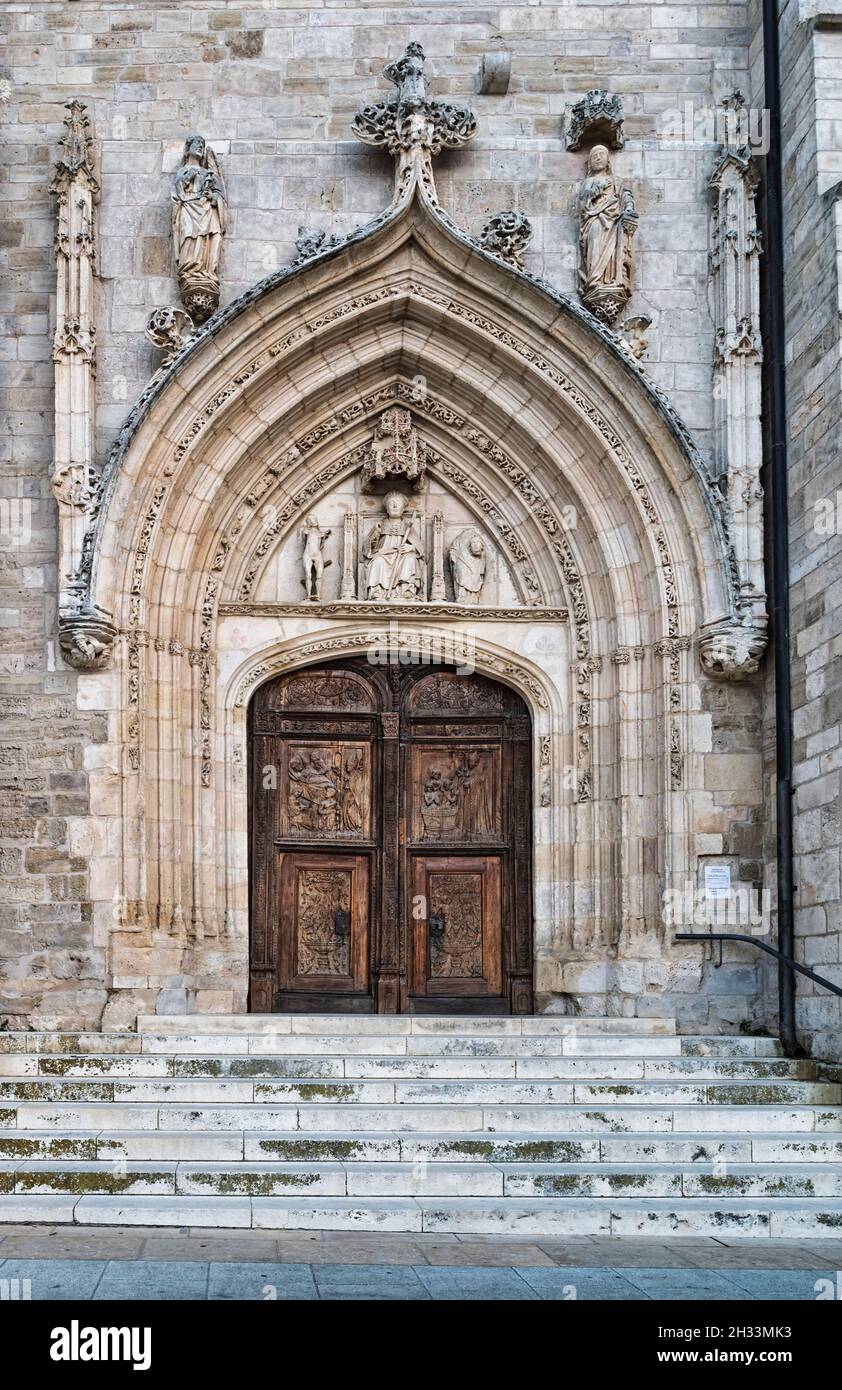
x=191, y=1263
x=101, y=1280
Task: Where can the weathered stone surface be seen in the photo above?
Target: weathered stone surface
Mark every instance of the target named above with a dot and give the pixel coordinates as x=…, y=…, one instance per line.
x=275, y=96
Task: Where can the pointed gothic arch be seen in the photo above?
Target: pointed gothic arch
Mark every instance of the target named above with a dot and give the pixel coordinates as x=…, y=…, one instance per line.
x=533, y=415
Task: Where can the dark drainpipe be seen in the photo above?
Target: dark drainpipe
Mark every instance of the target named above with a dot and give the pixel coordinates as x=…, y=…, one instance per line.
x=779, y=519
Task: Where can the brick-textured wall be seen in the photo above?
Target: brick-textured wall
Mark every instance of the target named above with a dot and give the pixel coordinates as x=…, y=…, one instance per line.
x=274, y=88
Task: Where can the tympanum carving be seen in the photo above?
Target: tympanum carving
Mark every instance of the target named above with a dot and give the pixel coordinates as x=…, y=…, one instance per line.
x=468, y=565
x=396, y=568
x=313, y=537
x=396, y=451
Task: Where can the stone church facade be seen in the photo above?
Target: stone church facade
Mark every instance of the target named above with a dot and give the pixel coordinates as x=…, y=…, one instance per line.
x=385, y=479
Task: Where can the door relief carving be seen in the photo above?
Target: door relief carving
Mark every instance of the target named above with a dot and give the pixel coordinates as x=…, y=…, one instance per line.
x=324, y=922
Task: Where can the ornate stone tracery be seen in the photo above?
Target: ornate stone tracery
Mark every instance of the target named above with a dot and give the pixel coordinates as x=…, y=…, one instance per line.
x=733, y=648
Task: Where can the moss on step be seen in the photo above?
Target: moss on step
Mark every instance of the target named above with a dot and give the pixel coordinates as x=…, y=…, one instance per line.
x=253, y=1184
x=302, y=1150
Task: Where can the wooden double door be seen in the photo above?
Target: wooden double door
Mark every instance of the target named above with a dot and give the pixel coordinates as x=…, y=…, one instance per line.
x=390, y=833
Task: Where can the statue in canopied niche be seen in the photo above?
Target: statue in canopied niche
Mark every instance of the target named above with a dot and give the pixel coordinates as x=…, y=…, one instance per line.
x=607, y=225
x=198, y=223
x=396, y=567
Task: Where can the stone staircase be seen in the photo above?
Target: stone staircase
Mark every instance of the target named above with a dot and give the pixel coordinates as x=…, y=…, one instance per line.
x=470, y=1125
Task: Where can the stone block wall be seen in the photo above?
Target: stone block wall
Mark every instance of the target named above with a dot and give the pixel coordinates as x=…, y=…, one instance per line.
x=812, y=151
x=274, y=88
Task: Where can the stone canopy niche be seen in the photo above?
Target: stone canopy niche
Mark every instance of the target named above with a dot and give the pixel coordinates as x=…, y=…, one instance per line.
x=402, y=449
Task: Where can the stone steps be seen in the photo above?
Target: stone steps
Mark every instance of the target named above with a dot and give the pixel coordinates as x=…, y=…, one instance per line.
x=675, y=1148
x=471, y=1125
x=406, y=1179
x=456, y=1068
x=331, y=1091
x=400, y=1025
x=778, y=1218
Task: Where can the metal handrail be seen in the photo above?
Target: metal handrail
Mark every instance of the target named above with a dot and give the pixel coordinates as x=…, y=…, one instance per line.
x=761, y=946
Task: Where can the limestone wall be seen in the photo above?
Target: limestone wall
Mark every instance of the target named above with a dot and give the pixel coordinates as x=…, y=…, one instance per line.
x=812, y=109
x=274, y=89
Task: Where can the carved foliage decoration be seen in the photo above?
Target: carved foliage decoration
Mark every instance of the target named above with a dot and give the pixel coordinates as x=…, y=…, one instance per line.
x=169, y=329
x=445, y=693
x=412, y=118
x=507, y=235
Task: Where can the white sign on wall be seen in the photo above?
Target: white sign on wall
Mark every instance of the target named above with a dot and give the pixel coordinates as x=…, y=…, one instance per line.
x=718, y=880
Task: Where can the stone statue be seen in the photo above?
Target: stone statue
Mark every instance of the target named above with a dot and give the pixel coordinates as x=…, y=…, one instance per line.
x=607, y=224
x=198, y=223
x=467, y=565
x=313, y=561
x=395, y=565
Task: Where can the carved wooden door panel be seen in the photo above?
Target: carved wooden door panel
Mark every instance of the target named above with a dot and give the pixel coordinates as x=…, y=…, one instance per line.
x=466, y=820
x=390, y=843
x=324, y=907
x=315, y=839
x=457, y=938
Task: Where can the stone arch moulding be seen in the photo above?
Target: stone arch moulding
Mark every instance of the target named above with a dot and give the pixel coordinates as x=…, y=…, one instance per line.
x=530, y=406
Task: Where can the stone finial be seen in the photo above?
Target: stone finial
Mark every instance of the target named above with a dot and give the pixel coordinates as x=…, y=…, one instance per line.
x=597, y=118
x=77, y=159
x=507, y=235
x=169, y=329
x=412, y=120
